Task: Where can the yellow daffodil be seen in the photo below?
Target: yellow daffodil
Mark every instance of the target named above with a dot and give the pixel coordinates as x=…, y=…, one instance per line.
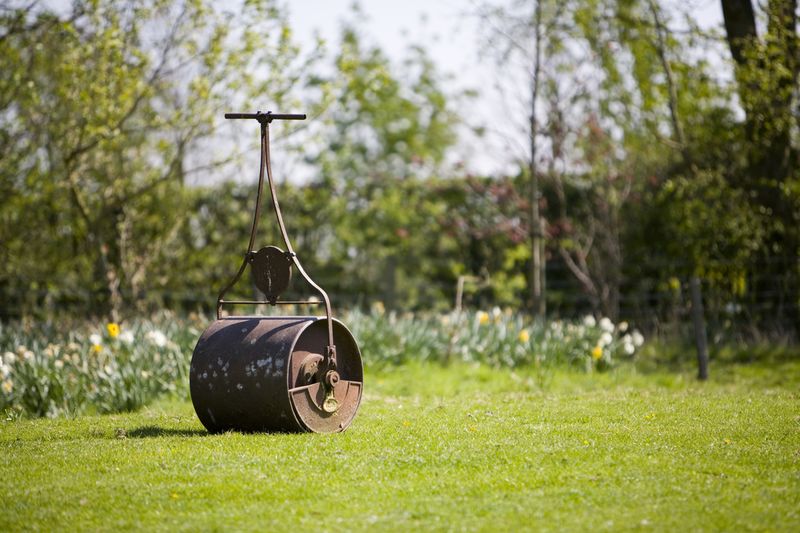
x=597, y=353
x=483, y=317
x=113, y=329
x=96, y=348
x=524, y=336
x=8, y=386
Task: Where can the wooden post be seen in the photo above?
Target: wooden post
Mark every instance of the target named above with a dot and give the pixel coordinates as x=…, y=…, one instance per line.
x=701, y=342
x=460, y=289
x=460, y=292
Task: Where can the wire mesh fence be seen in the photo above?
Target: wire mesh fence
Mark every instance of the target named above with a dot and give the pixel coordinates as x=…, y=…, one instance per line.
x=759, y=304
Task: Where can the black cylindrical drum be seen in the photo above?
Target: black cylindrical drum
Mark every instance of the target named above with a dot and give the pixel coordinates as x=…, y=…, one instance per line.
x=256, y=374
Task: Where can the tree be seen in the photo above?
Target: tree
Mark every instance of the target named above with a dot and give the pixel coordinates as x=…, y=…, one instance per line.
x=523, y=30
x=631, y=114
x=106, y=113
x=767, y=68
x=388, y=130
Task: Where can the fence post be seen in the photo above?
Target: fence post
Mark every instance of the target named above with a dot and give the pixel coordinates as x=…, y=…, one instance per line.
x=700, y=339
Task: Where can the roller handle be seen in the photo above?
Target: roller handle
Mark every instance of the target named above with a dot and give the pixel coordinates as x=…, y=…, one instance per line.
x=269, y=116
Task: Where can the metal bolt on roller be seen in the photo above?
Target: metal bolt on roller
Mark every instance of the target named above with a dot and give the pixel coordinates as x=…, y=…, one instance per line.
x=275, y=373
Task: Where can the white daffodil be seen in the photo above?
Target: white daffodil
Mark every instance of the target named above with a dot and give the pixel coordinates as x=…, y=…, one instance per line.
x=157, y=338
x=126, y=337
x=589, y=321
x=637, y=338
x=605, y=339
x=628, y=347
x=622, y=327
x=9, y=358
x=95, y=339
x=606, y=325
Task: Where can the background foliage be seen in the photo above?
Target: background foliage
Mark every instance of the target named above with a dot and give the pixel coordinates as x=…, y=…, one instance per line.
x=654, y=166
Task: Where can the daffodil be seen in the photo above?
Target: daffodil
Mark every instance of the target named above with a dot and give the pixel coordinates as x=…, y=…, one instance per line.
x=483, y=317
x=637, y=338
x=157, y=338
x=497, y=314
x=113, y=329
x=97, y=348
x=597, y=353
x=524, y=336
x=628, y=347
x=605, y=339
x=8, y=386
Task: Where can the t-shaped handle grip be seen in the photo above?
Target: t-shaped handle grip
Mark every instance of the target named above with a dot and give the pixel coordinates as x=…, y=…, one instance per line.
x=266, y=118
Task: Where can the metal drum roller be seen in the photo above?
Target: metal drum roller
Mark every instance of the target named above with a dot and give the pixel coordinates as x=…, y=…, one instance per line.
x=276, y=373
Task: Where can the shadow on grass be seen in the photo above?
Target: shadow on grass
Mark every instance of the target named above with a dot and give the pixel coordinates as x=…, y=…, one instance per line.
x=681, y=356
x=155, y=431
x=145, y=432
x=760, y=365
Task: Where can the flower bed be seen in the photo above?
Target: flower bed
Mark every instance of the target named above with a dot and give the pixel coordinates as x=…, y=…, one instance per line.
x=121, y=367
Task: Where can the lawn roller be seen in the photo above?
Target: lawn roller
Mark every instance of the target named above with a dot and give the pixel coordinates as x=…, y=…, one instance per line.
x=275, y=373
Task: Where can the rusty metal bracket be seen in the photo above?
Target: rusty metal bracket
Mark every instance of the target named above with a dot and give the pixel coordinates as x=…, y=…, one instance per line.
x=265, y=119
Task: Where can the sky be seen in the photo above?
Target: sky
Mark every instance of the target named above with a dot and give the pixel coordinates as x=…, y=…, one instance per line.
x=444, y=27
x=451, y=36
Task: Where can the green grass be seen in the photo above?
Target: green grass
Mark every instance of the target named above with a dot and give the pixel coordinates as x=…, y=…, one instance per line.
x=463, y=448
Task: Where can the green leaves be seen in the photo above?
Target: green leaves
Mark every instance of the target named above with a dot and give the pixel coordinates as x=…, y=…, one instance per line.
x=105, y=118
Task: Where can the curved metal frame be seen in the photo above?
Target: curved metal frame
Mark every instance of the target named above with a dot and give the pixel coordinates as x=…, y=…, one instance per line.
x=265, y=119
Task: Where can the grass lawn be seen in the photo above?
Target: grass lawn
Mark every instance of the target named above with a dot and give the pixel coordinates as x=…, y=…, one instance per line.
x=464, y=448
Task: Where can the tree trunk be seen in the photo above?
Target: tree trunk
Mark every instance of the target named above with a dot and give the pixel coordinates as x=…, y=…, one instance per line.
x=740, y=27
x=538, y=305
